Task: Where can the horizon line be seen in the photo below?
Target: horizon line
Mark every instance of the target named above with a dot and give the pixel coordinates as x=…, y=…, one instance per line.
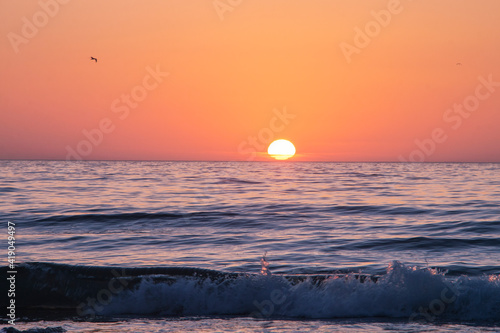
x=270, y=161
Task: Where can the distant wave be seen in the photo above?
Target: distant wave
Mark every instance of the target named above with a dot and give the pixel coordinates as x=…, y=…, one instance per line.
x=416, y=243
x=403, y=292
x=418, y=178
x=221, y=213
x=380, y=210
x=232, y=180
x=7, y=189
x=367, y=175
x=125, y=217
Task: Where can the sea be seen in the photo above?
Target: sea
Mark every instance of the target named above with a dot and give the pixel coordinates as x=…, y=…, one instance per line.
x=156, y=246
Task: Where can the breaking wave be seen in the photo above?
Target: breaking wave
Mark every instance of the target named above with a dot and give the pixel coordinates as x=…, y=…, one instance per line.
x=418, y=294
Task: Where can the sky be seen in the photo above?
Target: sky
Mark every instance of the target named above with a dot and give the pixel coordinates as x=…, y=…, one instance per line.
x=357, y=80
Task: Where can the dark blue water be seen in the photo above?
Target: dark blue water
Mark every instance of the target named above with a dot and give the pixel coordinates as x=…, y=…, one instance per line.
x=417, y=228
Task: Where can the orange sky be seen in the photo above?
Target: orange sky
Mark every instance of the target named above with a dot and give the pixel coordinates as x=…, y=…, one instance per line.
x=241, y=72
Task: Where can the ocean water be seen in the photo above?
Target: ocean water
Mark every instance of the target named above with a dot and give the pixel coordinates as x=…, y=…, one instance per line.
x=253, y=246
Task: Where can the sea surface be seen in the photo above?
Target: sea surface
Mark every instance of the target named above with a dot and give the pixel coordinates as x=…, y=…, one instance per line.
x=253, y=246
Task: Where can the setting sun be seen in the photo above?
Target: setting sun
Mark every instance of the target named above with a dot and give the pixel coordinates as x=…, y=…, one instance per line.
x=281, y=149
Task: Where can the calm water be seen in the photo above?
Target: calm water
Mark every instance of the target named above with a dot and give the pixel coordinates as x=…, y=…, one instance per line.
x=414, y=228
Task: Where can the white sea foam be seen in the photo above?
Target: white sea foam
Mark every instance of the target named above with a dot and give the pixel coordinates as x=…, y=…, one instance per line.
x=404, y=292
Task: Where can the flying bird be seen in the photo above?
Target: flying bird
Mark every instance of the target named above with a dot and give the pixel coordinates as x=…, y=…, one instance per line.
x=92, y=58
x=459, y=64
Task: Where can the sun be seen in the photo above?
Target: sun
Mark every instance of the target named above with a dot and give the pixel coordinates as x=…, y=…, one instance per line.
x=281, y=149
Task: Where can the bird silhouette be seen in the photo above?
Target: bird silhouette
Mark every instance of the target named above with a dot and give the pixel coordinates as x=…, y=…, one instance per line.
x=92, y=58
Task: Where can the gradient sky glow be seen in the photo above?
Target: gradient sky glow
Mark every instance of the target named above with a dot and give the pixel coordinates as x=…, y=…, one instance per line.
x=236, y=67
